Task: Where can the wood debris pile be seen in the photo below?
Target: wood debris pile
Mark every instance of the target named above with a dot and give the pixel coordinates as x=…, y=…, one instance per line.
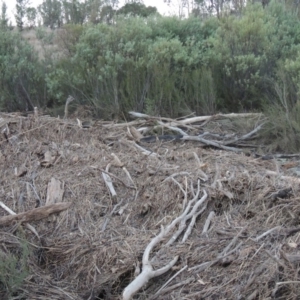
x=150, y=209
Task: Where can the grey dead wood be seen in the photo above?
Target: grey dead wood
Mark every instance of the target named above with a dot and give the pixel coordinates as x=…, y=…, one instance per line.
x=147, y=269
x=35, y=214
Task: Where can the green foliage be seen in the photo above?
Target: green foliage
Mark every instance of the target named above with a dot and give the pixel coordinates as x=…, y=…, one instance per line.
x=282, y=133
x=137, y=9
x=31, y=14
x=75, y=11
x=21, y=6
x=4, y=19
x=161, y=65
x=107, y=14
x=21, y=78
x=134, y=65
x=247, y=51
x=44, y=36
x=13, y=269
x=51, y=13
x=68, y=37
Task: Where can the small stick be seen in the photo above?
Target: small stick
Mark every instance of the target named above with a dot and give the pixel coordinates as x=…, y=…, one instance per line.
x=274, y=258
x=114, y=176
x=175, y=275
x=119, y=164
x=176, y=174
x=224, y=252
x=267, y=232
x=144, y=151
x=108, y=182
x=207, y=222
x=112, y=212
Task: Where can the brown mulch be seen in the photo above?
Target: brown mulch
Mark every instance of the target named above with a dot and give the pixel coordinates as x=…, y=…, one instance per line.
x=92, y=250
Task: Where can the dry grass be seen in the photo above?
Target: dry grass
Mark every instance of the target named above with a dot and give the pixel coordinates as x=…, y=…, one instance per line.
x=42, y=47
x=78, y=257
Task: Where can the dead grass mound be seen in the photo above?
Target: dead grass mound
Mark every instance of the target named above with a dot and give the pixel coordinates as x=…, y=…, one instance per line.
x=243, y=244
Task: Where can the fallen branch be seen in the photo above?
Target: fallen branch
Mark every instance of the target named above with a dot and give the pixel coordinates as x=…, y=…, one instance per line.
x=196, y=119
x=245, y=136
x=35, y=214
x=148, y=272
x=30, y=227
x=147, y=269
x=210, y=143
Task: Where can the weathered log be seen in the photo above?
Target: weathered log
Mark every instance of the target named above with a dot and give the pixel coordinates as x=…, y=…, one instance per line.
x=35, y=214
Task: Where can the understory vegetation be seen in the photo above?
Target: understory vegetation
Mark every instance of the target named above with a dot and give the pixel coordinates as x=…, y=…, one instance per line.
x=248, y=60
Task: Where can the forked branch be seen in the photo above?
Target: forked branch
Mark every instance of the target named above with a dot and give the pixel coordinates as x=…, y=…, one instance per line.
x=191, y=211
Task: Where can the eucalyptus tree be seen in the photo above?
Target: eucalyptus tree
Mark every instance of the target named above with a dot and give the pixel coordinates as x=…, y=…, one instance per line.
x=137, y=9
x=21, y=6
x=4, y=18
x=51, y=13
x=31, y=13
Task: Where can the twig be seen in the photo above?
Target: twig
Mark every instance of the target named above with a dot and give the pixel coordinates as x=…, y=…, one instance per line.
x=181, y=188
x=209, y=264
x=175, y=275
x=207, y=222
x=144, y=151
x=186, y=216
x=114, y=176
x=172, y=287
x=232, y=242
x=120, y=164
x=205, y=177
x=180, y=131
x=245, y=136
x=110, y=215
x=274, y=258
x=175, y=175
x=211, y=143
x=108, y=183
x=267, y=232
x=191, y=225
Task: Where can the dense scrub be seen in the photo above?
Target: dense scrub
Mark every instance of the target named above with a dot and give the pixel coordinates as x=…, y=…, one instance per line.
x=161, y=65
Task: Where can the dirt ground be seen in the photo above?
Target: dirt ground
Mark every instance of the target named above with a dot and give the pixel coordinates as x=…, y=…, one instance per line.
x=94, y=248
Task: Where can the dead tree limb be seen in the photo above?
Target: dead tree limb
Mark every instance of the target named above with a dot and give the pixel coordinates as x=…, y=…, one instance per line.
x=245, y=136
x=35, y=214
x=147, y=271
x=210, y=143
x=30, y=227
x=196, y=119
